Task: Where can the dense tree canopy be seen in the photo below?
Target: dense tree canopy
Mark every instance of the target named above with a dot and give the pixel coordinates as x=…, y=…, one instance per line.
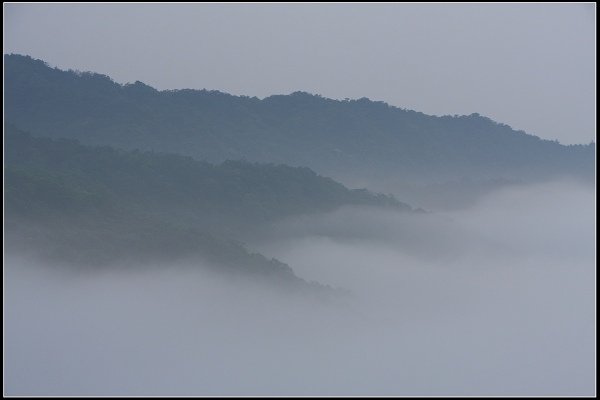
x=94, y=205
x=337, y=138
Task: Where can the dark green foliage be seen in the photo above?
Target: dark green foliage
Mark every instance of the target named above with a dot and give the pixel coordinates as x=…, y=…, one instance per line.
x=70, y=176
x=95, y=205
x=357, y=138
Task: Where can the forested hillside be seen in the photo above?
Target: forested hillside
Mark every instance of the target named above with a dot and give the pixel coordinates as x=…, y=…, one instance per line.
x=353, y=138
x=97, y=205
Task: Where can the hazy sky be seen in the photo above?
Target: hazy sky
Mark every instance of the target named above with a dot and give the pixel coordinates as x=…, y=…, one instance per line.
x=531, y=66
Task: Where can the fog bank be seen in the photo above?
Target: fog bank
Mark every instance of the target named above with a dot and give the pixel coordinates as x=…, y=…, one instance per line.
x=495, y=299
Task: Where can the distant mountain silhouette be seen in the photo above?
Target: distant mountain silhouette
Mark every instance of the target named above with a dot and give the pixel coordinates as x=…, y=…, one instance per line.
x=356, y=138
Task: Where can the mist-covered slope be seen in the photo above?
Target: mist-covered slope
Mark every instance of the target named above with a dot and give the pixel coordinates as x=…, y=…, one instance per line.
x=357, y=139
x=96, y=205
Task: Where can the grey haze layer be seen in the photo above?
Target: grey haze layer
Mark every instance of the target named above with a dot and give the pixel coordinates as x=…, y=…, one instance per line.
x=135, y=273
x=494, y=300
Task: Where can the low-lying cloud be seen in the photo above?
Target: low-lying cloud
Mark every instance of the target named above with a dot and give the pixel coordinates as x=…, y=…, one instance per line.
x=496, y=299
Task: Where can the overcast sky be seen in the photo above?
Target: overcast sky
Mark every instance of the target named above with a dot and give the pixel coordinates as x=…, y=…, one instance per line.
x=531, y=66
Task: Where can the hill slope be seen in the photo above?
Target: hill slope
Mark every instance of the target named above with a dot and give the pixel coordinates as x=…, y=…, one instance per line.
x=98, y=205
x=358, y=138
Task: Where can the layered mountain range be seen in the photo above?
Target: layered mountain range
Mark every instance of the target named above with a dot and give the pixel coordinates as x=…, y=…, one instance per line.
x=97, y=172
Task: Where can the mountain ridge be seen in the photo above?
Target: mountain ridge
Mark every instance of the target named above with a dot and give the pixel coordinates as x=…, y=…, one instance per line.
x=338, y=138
x=99, y=206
